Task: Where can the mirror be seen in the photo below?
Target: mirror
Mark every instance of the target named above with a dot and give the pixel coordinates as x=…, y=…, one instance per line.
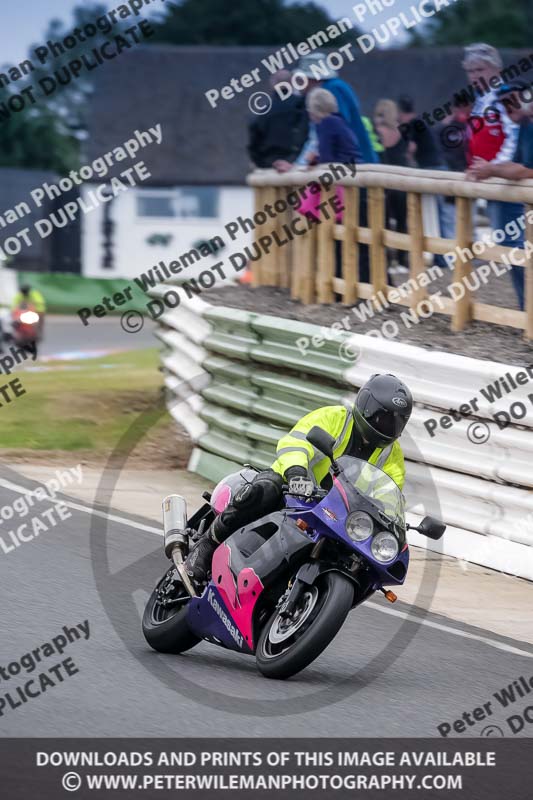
x=321, y=440
x=431, y=528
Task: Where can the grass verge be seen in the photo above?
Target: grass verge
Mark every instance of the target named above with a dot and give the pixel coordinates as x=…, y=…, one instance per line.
x=85, y=406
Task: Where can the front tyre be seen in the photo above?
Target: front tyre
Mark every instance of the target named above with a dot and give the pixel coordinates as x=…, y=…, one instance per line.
x=287, y=646
x=164, y=621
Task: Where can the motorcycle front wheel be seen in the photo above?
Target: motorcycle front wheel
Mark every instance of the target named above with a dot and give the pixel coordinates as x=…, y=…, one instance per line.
x=288, y=645
x=164, y=621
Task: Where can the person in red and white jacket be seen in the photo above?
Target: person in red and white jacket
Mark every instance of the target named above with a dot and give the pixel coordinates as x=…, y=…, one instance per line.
x=493, y=135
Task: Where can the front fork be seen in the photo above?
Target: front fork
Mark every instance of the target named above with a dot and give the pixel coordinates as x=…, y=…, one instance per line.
x=177, y=537
x=306, y=576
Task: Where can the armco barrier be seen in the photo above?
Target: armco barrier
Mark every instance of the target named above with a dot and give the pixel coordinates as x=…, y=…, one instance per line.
x=237, y=381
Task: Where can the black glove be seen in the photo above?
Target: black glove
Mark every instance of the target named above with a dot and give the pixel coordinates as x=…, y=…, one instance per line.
x=300, y=484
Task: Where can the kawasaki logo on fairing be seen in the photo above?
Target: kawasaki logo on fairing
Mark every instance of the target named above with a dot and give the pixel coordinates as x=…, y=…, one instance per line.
x=217, y=608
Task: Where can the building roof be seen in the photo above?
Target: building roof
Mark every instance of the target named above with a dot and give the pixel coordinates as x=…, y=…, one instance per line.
x=166, y=84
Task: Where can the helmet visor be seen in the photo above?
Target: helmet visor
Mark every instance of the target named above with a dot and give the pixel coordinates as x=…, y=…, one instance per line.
x=387, y=423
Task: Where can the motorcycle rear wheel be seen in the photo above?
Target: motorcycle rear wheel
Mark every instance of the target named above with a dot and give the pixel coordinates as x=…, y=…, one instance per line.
x=286, y=647
x=165, y=628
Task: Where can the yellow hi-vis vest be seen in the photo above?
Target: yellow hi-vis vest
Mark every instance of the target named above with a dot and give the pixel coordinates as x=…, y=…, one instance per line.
x=294, y=449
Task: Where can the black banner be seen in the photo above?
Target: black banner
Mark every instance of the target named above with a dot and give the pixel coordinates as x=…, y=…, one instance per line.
x=473, y=769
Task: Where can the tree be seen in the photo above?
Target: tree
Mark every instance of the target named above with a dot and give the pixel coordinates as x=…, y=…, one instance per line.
x=254, y=22
x=36, y=140
x=48, y=135
x=492, y=21
x=70, y=102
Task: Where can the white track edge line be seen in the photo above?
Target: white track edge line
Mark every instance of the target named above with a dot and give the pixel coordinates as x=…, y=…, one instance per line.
x=391, y=611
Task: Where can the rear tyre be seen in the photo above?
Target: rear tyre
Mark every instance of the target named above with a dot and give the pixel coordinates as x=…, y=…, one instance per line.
x=164, y=623
x=287, y=646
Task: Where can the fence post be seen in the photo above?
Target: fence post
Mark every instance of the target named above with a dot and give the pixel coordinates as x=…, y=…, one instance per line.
x=528, y=277
x=297, y=254
x=350, y=245
x=463, y=307
x=270, y=270
x=307, y=268
x=378, y=259
x=284, y=250
x=326, y=250
x=257, y=272
x=415, y=227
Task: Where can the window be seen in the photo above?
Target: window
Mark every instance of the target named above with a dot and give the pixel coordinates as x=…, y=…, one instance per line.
x=155, y=206
x=198, y=202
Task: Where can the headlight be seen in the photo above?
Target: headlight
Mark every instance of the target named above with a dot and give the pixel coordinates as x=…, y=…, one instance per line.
x=385, y=546
x=29, y=317
x=359, y=526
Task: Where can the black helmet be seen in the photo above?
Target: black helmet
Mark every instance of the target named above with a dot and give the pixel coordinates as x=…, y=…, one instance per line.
x=25, y=289
x=382, y=409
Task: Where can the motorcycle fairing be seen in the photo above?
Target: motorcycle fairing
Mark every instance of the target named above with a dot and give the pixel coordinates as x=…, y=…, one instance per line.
x=210, y=618
x=241, y=566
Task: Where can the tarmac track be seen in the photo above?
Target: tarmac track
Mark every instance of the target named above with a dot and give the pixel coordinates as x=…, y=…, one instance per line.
x=435, y=672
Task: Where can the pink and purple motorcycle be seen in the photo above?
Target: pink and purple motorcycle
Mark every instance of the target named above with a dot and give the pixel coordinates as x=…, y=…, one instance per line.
x=282, y=586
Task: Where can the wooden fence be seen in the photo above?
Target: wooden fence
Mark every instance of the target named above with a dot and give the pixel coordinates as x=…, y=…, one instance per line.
x=307, y=264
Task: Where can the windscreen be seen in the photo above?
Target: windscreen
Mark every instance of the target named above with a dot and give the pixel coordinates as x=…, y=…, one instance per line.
x=376, y=485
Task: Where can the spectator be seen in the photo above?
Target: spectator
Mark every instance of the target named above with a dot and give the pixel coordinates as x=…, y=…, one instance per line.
x=426, y=153
x=424, y=148
x=337, y=142
x=494, y=135
x=395, y=146
x=520, y=112
x=280, y=134
x=453, y=134
x=348, y=108
x=377, y=147
x=455, y=156
x=521, y=167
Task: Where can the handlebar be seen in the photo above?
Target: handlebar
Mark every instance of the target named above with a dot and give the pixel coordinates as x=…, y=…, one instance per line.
x=318, y=493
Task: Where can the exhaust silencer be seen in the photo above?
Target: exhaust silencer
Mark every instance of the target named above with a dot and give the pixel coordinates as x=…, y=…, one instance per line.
x=174, y=523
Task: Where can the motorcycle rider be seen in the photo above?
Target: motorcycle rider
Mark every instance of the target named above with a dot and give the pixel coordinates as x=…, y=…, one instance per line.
x=369, y=431
x=28, y=296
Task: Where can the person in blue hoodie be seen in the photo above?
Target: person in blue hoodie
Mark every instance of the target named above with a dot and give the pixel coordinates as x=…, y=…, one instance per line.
x=312, y=66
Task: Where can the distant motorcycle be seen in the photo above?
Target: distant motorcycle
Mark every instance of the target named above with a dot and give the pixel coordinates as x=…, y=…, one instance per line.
x=26, y=326
x=282, y=587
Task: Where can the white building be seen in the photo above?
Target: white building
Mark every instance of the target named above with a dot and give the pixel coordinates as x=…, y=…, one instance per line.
x=198, y=171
